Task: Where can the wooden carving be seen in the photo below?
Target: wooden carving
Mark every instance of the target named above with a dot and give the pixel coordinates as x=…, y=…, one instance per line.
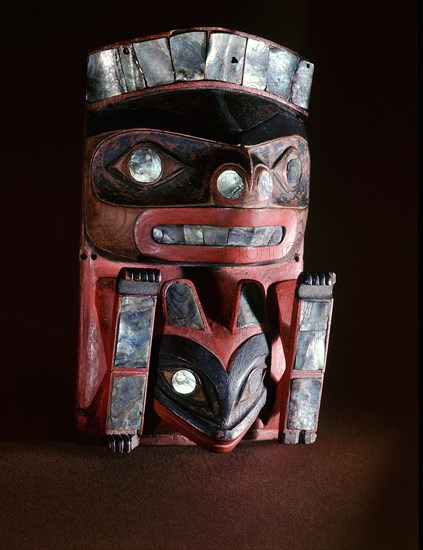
x=198, y=323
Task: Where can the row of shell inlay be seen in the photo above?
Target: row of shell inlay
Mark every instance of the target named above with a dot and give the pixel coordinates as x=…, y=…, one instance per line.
x=187, y=57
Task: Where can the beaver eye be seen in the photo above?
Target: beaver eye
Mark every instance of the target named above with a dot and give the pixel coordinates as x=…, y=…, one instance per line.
x=254, y=383
x=293, y=170
x=183, y=381
x=145, y=165
x=288, y=170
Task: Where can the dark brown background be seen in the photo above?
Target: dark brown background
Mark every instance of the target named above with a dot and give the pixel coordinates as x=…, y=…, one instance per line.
x=356, y=487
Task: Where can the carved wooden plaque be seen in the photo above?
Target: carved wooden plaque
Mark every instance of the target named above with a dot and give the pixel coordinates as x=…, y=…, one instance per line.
x=198, y=323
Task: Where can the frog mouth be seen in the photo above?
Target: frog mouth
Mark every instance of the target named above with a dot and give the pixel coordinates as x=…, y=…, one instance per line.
x=211, y=235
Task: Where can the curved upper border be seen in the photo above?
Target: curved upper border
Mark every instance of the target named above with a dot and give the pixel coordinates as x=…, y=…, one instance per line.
x=199, y=57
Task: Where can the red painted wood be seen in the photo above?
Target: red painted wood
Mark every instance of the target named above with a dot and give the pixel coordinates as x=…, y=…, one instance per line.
x=193, y=434
x=99, y=325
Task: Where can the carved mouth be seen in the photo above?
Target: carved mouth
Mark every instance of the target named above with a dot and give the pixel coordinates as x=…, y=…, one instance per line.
x=211, y=235
x=216, y=235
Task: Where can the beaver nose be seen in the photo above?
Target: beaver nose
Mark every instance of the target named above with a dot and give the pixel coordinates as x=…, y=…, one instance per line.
x=233, y=187
x=230, y=184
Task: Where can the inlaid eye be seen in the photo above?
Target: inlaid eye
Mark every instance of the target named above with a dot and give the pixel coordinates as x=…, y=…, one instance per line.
x=265, y=186
x=293, y=170
x=184, y=382
x=254, y=383
x=290, y=175
x=145, y=165
x=230, y=184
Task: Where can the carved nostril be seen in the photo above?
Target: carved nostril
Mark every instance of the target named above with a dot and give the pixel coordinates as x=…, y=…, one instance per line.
x=230, y=184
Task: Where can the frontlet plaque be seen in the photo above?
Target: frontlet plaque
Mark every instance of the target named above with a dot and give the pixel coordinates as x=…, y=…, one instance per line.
x=198, y=323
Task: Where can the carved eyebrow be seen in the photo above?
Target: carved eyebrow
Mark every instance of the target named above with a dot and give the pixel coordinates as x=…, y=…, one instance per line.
x=271, y=151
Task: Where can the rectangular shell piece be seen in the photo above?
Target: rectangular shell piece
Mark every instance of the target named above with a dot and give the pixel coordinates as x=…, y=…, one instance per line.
x=281, y=69
x=127, y=402
x=155, y=61
x=256, y=64
x=314, y=315
x=311, y=350
x=189, y=55
x=304, y=403
x=301, y=84
x=216, y=236
x=225, y=57
x=193, y=234
x=131, y=70
x=134, y=332
x=104, y=76
x=312, y=335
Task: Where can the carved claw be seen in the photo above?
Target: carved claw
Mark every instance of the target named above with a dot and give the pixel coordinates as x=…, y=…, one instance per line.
x=292, y=438
x=119, y=443
x=139, y=281
x=314, y=278
x=146, y=275
x=316, y=285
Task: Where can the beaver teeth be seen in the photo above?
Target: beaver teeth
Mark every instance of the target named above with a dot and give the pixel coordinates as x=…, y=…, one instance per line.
x=210, y=235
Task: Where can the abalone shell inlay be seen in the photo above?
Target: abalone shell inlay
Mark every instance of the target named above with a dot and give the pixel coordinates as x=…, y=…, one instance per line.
x=301, y=84
x=104, y=76
x=189, y=55
x=132, y=73
x=281, y=69
x=211, y=235
x=251, y=305
x=311, y=350
x=134, y=332
x=156, y=63
x=304, y=403
x=311, y=345
x=126, y=402
x=182, y=308
x=256, y=63
x=186, y=56
x=225, y=57
x=314, y=315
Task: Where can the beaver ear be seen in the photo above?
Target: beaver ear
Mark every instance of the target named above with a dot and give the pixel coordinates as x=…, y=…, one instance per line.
x=182, y=306
x=250, y=306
